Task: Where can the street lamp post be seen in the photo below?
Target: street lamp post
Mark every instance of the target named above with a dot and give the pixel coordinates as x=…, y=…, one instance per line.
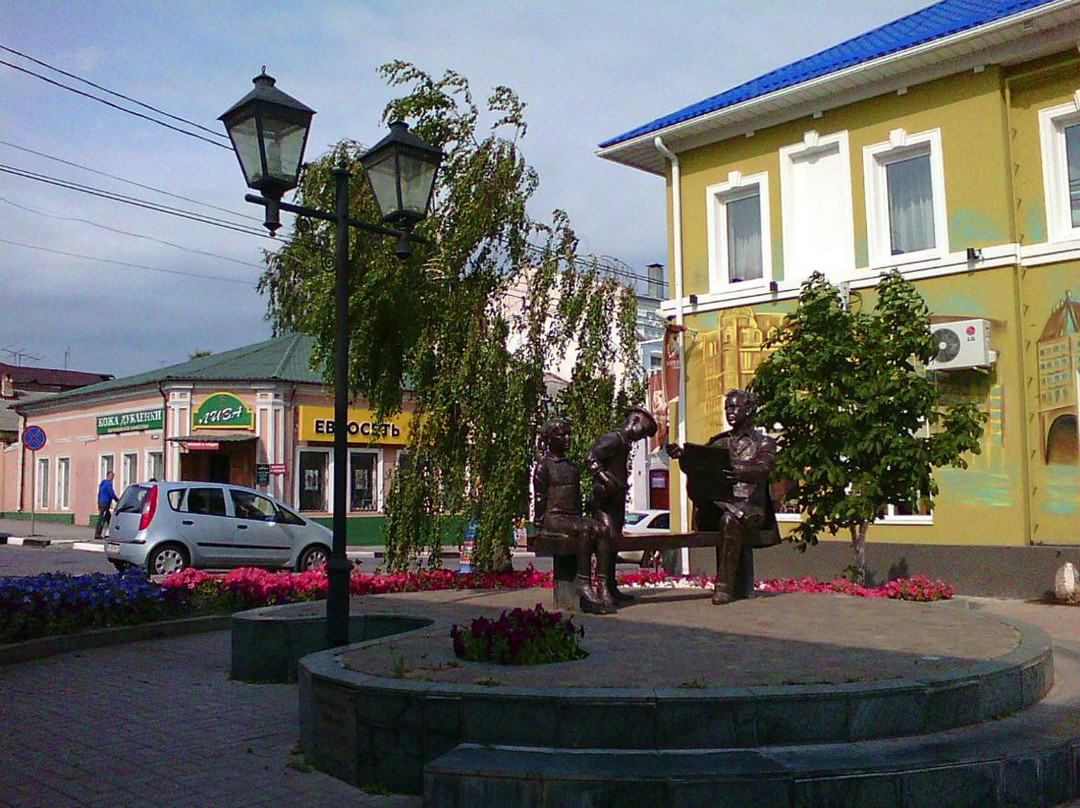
x=269, y=131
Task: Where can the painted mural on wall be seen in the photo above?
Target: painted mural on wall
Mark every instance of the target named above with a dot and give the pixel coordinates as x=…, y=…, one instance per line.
x=1058, y=351
x=731, y=354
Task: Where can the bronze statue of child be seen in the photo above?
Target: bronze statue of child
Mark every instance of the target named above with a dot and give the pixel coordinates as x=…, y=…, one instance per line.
x=557, y=509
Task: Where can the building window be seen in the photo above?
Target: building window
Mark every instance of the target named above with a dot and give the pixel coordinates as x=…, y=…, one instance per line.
x=155, y=465
x=815, y=193
x=1059, y=128
x=905, y=198
x=63, y=483
x=106, y=463
x=129, y=469
x=738, y=231
x=313, y=479
x=365, y=476
x=42, y=491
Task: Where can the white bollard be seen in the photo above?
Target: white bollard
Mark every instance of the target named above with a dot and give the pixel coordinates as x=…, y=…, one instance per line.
x=1065, y=582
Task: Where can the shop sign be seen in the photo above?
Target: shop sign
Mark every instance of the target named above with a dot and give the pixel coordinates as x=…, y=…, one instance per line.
x=317, y=424
x=202, y=445
x=278, y=468
x=223, y=411
x=131, y=421
x=262, y=474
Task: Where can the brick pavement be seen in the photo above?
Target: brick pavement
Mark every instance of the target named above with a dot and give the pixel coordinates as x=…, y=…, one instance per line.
x=156, y=724
x=159, y=724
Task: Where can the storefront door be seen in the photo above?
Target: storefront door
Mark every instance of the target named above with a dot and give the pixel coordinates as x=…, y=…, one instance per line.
x=363, y=481
x=313, y=480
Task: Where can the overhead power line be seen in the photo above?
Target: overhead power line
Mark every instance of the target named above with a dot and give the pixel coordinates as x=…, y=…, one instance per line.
x=115, y=106
x=127, y=233
x=126, y=264
x=129, y=200
x=161, y=191
x=112, y=92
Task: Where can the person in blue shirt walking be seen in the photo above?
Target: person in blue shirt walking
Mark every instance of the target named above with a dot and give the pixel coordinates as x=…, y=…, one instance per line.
x=106, y=496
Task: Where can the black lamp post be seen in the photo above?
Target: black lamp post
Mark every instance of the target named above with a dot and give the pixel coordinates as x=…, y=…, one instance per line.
x=269, y=130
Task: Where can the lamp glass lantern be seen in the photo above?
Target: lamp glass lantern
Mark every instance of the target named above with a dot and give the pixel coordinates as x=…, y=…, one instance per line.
x=401, y=169
x=269, y=131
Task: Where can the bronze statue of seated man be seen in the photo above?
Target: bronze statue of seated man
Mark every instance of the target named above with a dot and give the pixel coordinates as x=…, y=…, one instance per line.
x=733, y=498
x=557, y=505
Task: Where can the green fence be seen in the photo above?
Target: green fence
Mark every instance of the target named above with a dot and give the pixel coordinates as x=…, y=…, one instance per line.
x=60, y=518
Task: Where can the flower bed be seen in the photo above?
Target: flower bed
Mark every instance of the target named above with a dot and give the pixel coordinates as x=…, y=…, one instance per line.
x=58, y=603
x=916, y=588
x=519, y=637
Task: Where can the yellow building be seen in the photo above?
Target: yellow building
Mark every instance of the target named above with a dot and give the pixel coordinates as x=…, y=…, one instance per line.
x=945, y=144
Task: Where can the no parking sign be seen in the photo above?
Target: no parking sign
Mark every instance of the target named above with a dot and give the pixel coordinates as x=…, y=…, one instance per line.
x=34, y=438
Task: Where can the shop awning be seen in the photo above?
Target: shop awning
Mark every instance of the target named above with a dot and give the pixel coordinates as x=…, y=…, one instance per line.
x=212, y=442
x=220, y=437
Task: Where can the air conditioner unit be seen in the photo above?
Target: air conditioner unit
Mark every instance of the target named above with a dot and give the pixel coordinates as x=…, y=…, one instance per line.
x=962, y=344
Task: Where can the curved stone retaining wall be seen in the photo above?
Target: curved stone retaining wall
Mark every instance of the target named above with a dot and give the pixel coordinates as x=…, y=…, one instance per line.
x=367, y=729
x=267, y=643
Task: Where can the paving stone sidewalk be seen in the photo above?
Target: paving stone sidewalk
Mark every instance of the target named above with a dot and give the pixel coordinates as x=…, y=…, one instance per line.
x=159, y=724
x=156, y=723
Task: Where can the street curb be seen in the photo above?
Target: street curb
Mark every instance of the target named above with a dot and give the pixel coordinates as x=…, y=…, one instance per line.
x=97, y=638
x=35, y=541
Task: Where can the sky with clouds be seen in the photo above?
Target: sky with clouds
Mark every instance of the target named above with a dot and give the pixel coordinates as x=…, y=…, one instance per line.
x=587, y=70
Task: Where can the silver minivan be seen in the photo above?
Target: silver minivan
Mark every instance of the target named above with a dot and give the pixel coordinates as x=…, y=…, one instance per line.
x=166, y=527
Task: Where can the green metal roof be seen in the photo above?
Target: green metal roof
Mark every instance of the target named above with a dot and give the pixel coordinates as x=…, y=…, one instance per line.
x=286, y=358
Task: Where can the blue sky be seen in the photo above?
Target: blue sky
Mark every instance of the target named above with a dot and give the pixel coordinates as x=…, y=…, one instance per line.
x=587, y=70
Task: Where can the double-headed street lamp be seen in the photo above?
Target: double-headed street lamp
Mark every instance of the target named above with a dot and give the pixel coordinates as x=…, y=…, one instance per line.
x=269, y=130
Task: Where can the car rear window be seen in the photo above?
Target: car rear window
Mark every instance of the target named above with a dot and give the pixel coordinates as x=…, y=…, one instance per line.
x=662, y=522
x=132, y=500
x=209, y=501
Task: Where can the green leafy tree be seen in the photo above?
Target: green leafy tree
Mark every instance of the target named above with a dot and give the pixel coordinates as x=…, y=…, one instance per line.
x=468, y=324
x=861, y=424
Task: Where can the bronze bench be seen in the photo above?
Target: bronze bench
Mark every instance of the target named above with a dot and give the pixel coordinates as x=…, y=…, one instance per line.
x=563, y=552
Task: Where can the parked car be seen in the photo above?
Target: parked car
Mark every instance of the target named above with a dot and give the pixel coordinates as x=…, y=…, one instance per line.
x=654, y=521
x=651, y=521
x=167, y=526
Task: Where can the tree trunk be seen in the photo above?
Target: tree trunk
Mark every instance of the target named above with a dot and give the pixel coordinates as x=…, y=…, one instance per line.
x=858, y=544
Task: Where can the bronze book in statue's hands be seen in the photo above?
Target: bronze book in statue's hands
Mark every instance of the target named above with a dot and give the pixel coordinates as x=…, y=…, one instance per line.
x=697, y=457
x=704, y=467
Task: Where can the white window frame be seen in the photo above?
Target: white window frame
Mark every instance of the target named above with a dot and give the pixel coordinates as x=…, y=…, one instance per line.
x=41, y=482
x=1052, y=124
x=63, y=483
x=378, y=477
x=124, y=481
x=149, y=466
x=102, y=469
x=813, y=142
x=717, y=196
x=328, y=496
x=902, y=145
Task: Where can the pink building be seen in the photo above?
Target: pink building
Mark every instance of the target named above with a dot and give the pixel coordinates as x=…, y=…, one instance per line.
x=256, y=416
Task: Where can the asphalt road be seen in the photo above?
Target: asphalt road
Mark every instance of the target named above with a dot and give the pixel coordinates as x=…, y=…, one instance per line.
x=22, y=560
x=32, y=560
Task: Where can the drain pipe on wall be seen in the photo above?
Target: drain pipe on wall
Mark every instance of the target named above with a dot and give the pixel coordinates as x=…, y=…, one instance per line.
x=677, y=270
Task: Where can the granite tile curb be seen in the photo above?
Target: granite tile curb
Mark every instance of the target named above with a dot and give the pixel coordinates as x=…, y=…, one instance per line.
x=395, y=725
x=12, y=653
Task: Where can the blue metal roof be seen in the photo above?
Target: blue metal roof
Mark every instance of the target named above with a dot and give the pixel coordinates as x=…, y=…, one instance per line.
x=934, y=22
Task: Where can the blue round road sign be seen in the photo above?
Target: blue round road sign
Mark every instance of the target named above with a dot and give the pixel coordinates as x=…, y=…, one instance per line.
x=34, y=438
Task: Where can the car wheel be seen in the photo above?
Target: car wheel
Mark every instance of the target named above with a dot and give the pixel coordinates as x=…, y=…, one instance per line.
x=121, y=565
x=167, y=558
x=314, y=556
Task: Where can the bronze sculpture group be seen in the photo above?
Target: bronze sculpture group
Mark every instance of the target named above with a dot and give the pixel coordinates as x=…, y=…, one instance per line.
x=727, y=482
